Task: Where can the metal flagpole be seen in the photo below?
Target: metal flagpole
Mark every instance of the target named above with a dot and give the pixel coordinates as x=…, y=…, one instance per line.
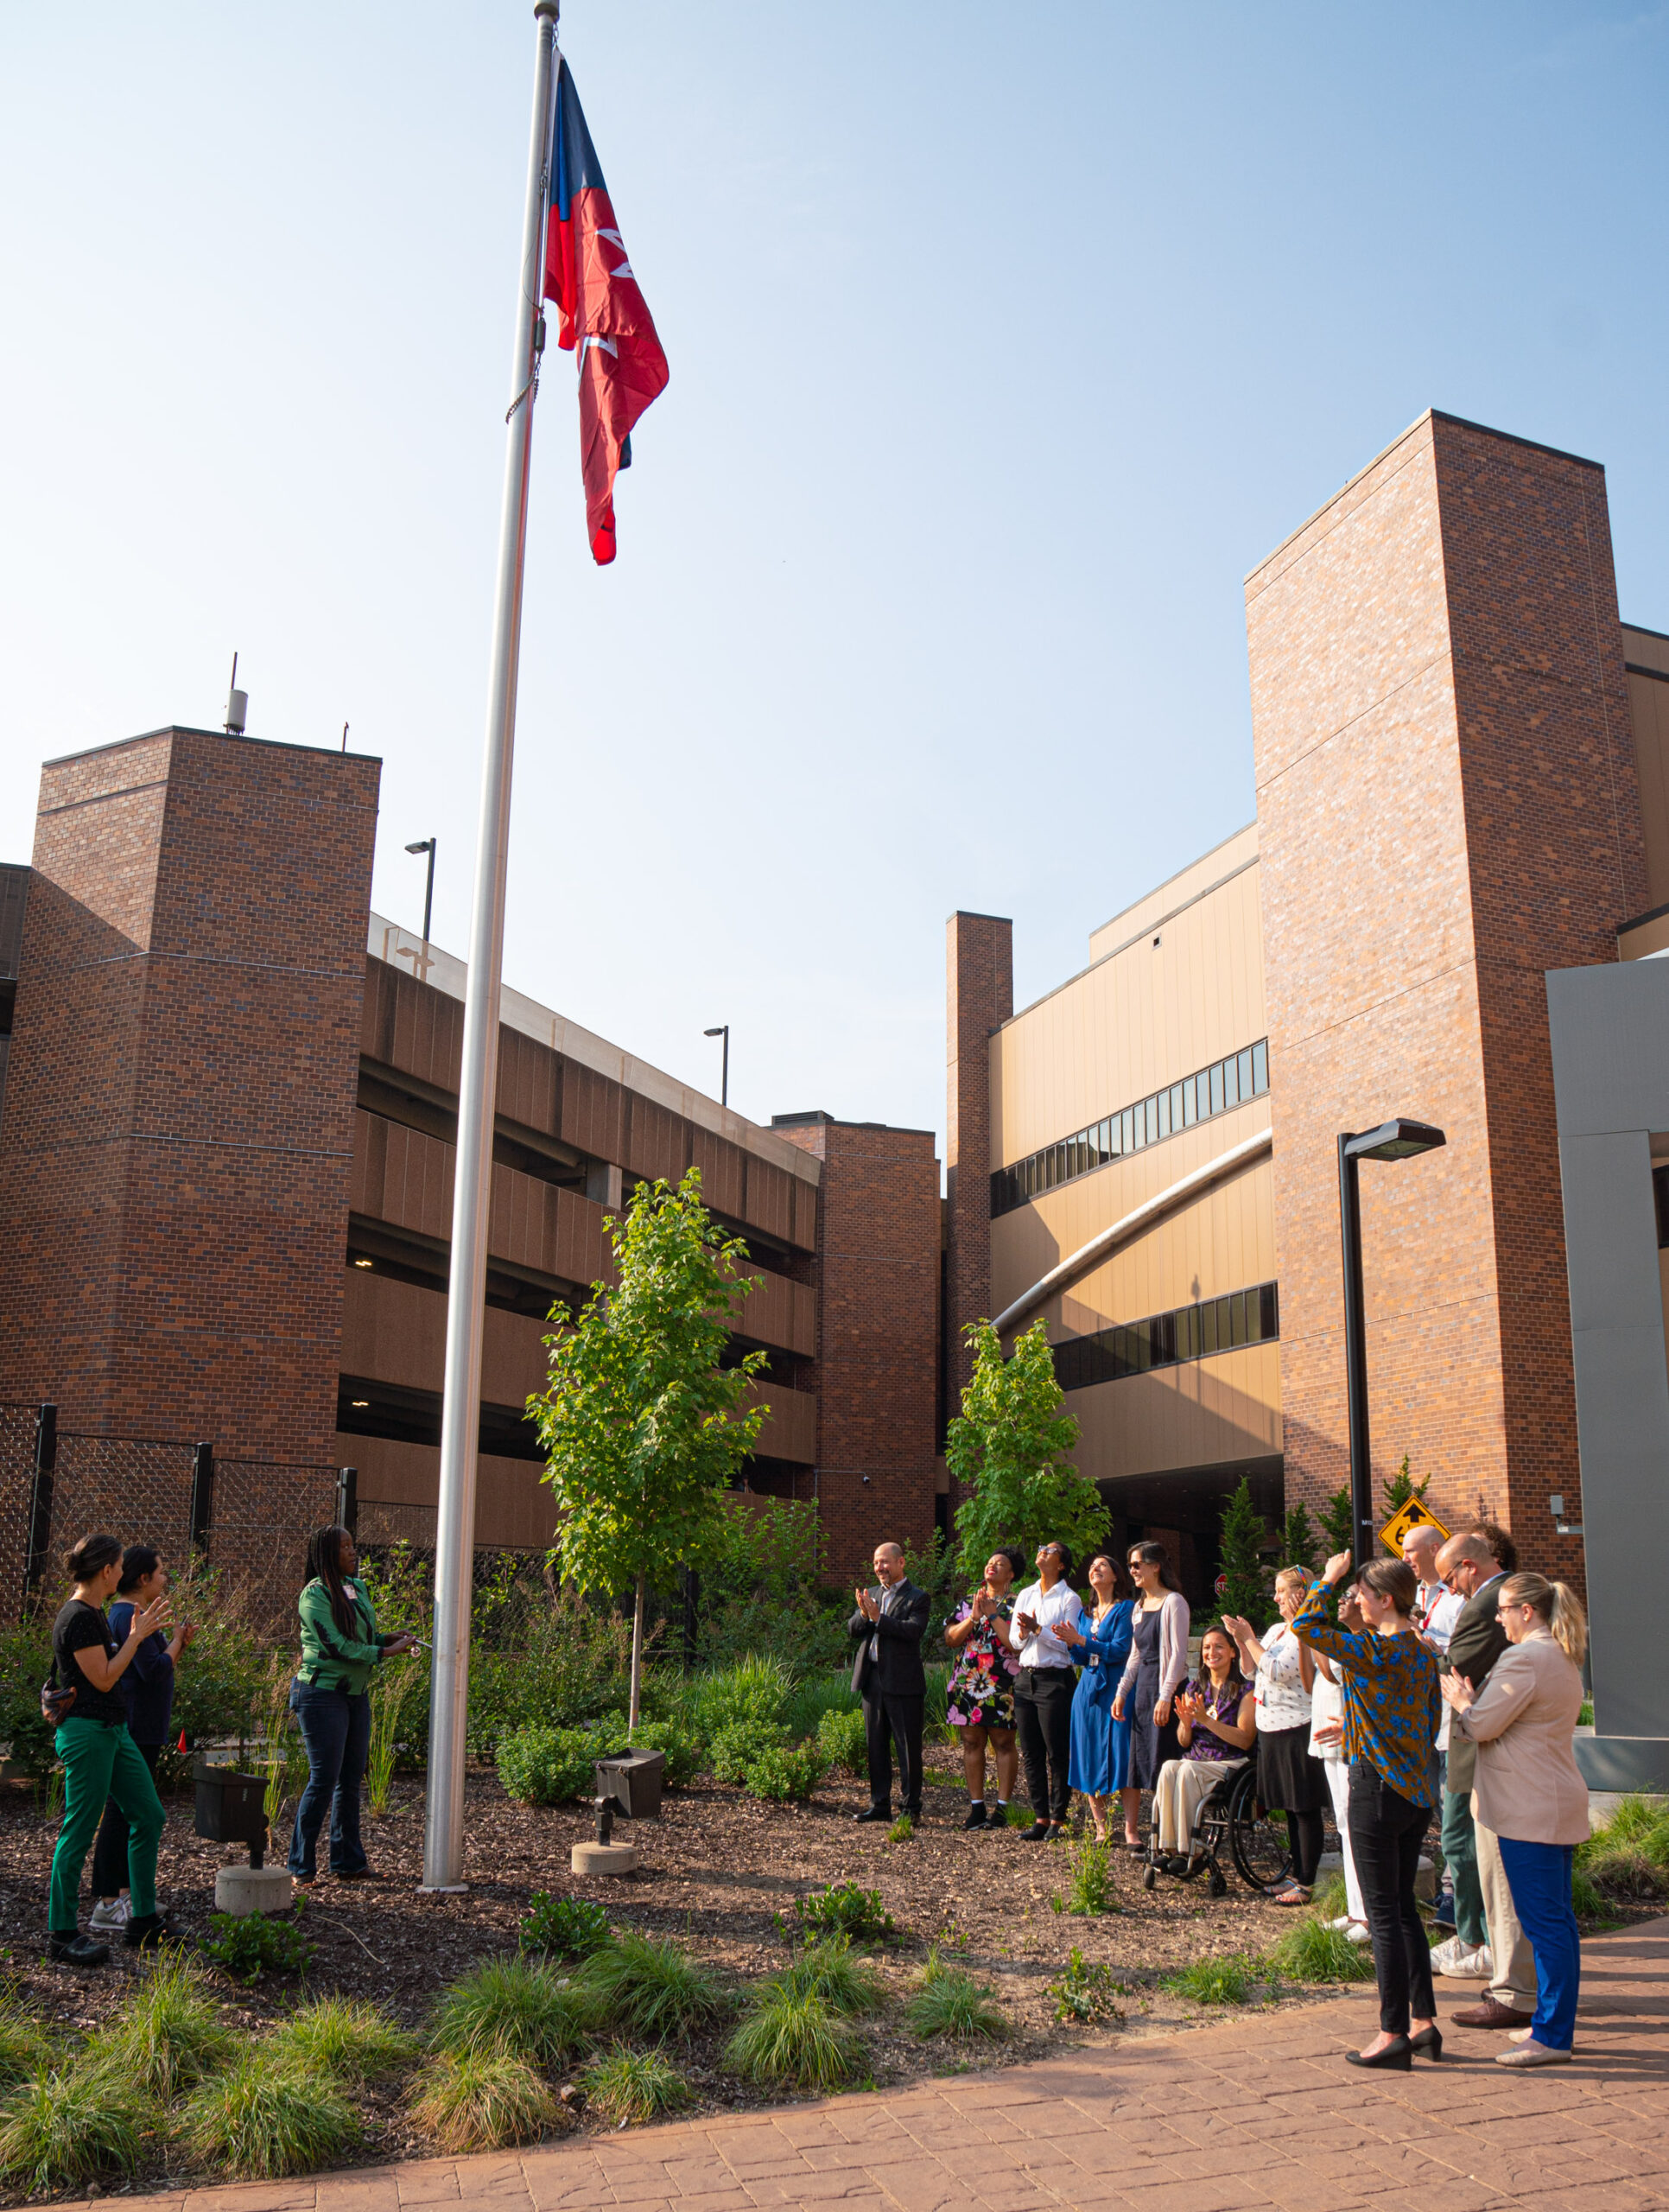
x=454, y=1534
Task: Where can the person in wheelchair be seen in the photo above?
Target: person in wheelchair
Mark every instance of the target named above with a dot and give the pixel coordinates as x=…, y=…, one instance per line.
x=1217, y=1728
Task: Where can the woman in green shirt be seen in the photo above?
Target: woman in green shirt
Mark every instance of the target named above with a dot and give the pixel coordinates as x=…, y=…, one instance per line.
x=340, y=1648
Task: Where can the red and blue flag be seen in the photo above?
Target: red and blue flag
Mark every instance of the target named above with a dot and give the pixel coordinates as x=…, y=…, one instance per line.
x=601, y=311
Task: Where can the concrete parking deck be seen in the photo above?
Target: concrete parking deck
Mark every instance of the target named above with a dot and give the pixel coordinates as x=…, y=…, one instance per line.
x=1258, y=2111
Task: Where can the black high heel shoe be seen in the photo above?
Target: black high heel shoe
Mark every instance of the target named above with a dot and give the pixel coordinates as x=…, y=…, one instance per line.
x=1428, y=2043
x=1398, y=2056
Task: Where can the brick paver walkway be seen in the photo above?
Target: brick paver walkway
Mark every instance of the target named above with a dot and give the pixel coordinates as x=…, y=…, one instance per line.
x=1258, y=2113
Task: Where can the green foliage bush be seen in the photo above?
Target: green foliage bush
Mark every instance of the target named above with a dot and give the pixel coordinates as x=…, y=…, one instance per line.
x=753, y=1691
x=481, y=2101
x=266, y=2116
x=62, y=2128
x=1086, y=1991
x=552, y=1766
x=1092, y=1878
x=514, y=2008
x=816, y=1698
x=827, y=1969
x=627, y=2085
x=785, y=1773
x=949, y=2002
x=739, y=1745
x=346, y=2040
x=761, y=1593
x=25, y=1662
x=251, y=1946
x=842, y=1909
x=795, y=2038
x=638, y=1985
x=841, y=1741
x=682, y=1744
x=566, y=1927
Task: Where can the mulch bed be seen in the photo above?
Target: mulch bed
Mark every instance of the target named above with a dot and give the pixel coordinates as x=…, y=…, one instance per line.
x=721, y=1870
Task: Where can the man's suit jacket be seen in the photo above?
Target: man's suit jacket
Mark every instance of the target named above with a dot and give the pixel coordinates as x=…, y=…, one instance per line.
x=1478, y=1641
x=898, y=1671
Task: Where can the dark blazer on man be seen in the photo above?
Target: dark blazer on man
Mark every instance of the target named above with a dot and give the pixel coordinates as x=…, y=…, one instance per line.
x=1476, y=1642
x=898, y=1671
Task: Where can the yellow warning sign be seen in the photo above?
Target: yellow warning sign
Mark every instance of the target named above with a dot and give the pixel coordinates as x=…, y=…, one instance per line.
x=1413, y=1515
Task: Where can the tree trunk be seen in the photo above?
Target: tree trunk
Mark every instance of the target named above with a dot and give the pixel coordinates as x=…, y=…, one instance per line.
x=637, y=1658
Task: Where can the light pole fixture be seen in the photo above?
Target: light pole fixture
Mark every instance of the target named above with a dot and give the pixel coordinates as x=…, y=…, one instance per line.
x=427, y=845
x=1397, y=1140
x=723, y=1031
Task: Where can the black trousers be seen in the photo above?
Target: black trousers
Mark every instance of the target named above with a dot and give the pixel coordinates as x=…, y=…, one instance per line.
x=1043, y=1717
x=109, y=1853
x=1305, y=1835
x=1386, y=1834
x=887, y=1722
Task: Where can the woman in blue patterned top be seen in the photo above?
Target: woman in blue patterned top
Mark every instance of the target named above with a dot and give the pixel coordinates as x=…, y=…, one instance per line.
x=1392, y=1707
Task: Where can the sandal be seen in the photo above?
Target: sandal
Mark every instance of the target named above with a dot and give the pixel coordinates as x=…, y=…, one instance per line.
x=1292, y=1896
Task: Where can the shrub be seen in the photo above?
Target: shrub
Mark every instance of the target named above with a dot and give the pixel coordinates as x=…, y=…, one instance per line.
x=642, y=1987
x=1085, y=1991
x=25, y=2046
x=901, y=1830
x=1638, y=1824
x=349, y=2042
x=59, y=2129
x=266, y=2116
x=481, y=2101
x=842, y=1909
x=829, y=1970
x=1311, y=1951
x=815, y=1698
x=795, y=2038
x=739, y=1745
x=1626, y=1871
x=514, y=2008
x=785, y=1773
x=25, y=1662
x=536, y=1660
x=757, y=1689
x=254, y=1945
x=682, y=1744
x=634, y=2085
x=1092, y=1878
x=550, y=1766
x=760, y=1593
x=568, y=1928
x=171, y=2035
x=841, y=1741
x=1585, y=1900
x=1226, y=1980
x=951, y=2003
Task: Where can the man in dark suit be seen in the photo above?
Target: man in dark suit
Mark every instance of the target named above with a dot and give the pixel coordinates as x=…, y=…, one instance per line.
x=1474, y=1563
x=886, y=1672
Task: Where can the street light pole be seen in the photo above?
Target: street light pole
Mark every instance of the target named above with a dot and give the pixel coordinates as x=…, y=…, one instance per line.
x=1399, y=1140
x=427, y=845
x=723, y=1031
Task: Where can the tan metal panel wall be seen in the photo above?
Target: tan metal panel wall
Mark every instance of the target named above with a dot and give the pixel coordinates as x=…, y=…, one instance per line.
x=721, y=1164
x=657, y=1145
x=512, y=1507
x=790, y=1429
x=1131, y=1025
x=770, y=1200
x=530, y=1082
x=406, y=1026
x=804, y=1231
x=593, y=1112
x=1205, y=1413
x=396, y=1332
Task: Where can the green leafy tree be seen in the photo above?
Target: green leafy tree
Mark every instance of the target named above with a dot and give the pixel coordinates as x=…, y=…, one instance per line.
x=1338, y=1523
x=1007, y=1451
x=644, y=1430
x=1401, y=1487
x=1246, y=1590
x=1299, y=1540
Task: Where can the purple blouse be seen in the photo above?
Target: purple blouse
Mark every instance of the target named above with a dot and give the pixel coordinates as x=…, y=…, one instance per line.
x=1224, y=1705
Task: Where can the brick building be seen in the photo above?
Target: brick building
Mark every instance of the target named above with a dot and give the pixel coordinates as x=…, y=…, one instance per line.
x=1462, y=762
x=227, y=1120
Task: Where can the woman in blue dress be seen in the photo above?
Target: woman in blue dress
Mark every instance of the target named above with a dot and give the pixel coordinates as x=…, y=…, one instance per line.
x=1100, y=1764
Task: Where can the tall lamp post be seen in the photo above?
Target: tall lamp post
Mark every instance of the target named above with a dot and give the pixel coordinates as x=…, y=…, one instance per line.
x=427, y=845
x=723, y=1031
x=1397, y=1140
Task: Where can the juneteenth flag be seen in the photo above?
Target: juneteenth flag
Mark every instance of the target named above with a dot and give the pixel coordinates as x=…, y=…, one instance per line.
x=601, y=312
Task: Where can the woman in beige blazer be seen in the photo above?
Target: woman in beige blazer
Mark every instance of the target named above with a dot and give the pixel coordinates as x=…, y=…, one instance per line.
x=1529, y=1789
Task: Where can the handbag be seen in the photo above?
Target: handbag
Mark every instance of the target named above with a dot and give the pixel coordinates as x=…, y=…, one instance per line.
x=55, y=1703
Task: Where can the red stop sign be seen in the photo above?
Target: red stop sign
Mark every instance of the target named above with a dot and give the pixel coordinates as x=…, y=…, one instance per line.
x=1220, y=1586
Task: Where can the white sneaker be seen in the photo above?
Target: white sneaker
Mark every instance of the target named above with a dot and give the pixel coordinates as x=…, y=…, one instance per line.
x=110, y=1916
x=1461, y=1961
x=1359, y=1931
x=1339, y=1925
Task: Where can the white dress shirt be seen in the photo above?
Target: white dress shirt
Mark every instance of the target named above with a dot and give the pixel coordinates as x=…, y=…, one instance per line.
x=1436, y=1608
x=1048, y=1608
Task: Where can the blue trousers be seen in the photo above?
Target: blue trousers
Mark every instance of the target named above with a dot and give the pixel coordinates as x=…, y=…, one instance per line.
x=1539, y=1875
x=336, y=1729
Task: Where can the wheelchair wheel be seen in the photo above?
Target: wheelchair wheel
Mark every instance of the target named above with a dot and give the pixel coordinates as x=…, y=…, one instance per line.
x=1257, y=1840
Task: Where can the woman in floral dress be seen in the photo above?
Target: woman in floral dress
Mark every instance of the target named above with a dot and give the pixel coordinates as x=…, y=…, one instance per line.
x=979, y=1694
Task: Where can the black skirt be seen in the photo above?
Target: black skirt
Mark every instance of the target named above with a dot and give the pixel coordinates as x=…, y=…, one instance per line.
x=1289, y=1779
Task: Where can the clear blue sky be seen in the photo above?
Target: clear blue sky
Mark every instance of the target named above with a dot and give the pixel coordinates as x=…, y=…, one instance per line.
x=1003, y=343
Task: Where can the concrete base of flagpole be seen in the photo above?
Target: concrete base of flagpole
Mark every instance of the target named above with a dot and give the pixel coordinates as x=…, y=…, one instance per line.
x=242, y=1890
x=603, y=1858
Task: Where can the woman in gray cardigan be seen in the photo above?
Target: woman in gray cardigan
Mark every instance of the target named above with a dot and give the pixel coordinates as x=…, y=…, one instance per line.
x=1155, y=1671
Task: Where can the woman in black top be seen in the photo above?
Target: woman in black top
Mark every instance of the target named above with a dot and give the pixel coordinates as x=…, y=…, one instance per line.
x=147, y=1691
x=100, y=1759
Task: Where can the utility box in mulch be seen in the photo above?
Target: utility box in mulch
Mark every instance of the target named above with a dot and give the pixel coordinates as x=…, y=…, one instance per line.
x=231, y=1807
x=634, y=1780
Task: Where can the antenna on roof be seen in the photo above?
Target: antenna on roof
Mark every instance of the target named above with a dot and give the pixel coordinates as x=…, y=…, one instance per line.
x=236, y=705
x=345, y=737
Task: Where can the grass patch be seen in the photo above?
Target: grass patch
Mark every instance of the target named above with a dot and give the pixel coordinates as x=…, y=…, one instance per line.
x=949, y=2002
x=481, y=2101
x=1329, y=1899
x=347, y=2041
x=25, y=2046
x=818, y=1699
x=843, y=1909
x=640, y=1986
x=1092, y=1878
x=901, y=1830
x=829, y=1970
x=171, y=2035
x=1019, y=1816
x=797, y=2039
x=1227, y=1980
x=565, y=1928
x=757, y=1689
x=1311, y=1951
x=58, y=2130
x=266, y=2116
x=513, y=2008
x=634, y=2085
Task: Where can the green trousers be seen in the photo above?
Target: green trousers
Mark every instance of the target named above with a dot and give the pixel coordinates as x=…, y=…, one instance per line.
x=1460, y=1850
x=101, y=1763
